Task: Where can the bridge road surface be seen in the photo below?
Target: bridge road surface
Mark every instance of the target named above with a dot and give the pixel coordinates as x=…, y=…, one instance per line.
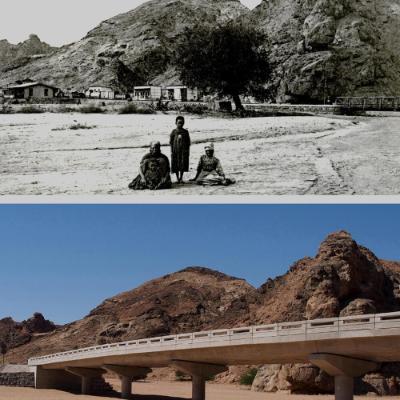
x=344, y=347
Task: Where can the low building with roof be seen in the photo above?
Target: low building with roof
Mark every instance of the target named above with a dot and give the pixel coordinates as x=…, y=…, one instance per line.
x=148, y=92
x=36, y=90
x=181, y=93
x=100, y=92
x=173, y=89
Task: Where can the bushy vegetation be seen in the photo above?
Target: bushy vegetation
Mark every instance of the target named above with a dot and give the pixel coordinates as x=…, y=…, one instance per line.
x=65, y=110
x=5, y=109
x=75, y=127
x=195, y=108
x=133, y=109
x=228, y=59
x=248, y=377
x=30, y=110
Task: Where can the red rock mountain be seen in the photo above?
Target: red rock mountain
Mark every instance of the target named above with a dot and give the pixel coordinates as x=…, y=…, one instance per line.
x=189, y=300
x=344, y=278
x=14, y=334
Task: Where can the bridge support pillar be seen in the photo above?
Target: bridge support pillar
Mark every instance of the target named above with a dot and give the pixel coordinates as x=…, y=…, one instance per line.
x=85, y=386
x=86, y=375
x=55, y=379
x=127, y=375
x=343, y=369
x=198, y=388
x=199, y=373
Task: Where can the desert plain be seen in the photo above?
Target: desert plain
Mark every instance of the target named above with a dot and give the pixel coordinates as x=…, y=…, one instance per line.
x=165, y=391
x=99, y=154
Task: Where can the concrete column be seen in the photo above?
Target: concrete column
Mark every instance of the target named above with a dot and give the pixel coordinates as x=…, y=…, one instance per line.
x=85, y=384
x=199, y=373
x=127, y=374
x=86, y=375
x=344, y=387
x=126, y=387
x=198, y=388
x=344, y=369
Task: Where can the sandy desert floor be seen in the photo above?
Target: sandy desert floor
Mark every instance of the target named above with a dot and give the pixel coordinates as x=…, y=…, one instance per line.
x=165, y=391
x=40, y=155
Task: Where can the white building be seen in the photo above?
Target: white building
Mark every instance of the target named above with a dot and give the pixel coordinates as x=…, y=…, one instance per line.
x=100, y=92
x=147, y=93
x=181, y=93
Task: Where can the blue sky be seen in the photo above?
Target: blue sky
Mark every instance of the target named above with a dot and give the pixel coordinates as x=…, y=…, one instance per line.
x=63, y=260
x=61, y=22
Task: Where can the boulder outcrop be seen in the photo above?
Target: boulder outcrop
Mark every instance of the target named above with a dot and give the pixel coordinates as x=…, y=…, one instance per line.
x=14, y=334
x=321, y=49
x=16, y=55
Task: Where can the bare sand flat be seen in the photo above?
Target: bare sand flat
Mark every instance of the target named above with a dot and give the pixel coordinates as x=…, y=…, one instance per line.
x=41, y=155
x=165, y=391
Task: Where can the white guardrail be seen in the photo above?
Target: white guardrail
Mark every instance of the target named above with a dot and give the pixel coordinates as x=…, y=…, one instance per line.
x=305, y=328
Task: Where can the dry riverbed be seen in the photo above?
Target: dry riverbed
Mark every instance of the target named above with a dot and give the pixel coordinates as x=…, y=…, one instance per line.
x=165, y=391
x=41, y=154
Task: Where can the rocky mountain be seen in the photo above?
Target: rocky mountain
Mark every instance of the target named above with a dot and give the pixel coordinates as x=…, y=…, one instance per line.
x=17, y=55
x=321, y=48
x=14, y=334
x=127, y=49
x=344, y=278
x=189, y=300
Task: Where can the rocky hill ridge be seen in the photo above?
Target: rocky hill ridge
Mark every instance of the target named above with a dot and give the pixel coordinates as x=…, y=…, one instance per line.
x=116, y=52
x=344, y=278
x=319, y=49
x=15, y=55
x=14, y=334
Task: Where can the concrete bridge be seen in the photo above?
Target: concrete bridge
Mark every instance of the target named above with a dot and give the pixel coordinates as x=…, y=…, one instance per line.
x=343, y=347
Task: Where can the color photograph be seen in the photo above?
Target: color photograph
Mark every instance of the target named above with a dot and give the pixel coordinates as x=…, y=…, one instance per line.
x=282, y=302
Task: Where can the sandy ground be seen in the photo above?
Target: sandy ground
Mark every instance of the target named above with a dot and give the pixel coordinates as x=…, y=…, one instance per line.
x=165, y=391
x=40, y=155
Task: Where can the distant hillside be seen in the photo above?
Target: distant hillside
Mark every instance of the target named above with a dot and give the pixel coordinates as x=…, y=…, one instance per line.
x=189, y=300
x=16, y=55
x=127, y=49
x=14, y=334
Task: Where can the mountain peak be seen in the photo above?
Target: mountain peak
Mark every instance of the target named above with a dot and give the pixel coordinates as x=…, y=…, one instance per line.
x=205, y=271
x=34, y=37
x=337, y=244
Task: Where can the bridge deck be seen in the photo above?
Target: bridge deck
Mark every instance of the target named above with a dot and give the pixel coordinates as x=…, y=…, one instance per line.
x=372, y=337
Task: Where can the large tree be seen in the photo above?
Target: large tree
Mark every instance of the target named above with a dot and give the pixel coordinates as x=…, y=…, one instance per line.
x=227, y=59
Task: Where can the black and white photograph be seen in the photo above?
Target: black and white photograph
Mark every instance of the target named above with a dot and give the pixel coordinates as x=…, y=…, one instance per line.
x=190, y=97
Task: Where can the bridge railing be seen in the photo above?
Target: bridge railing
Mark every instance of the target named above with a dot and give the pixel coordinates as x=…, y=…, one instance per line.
x=305, y=328
x=370, y=103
